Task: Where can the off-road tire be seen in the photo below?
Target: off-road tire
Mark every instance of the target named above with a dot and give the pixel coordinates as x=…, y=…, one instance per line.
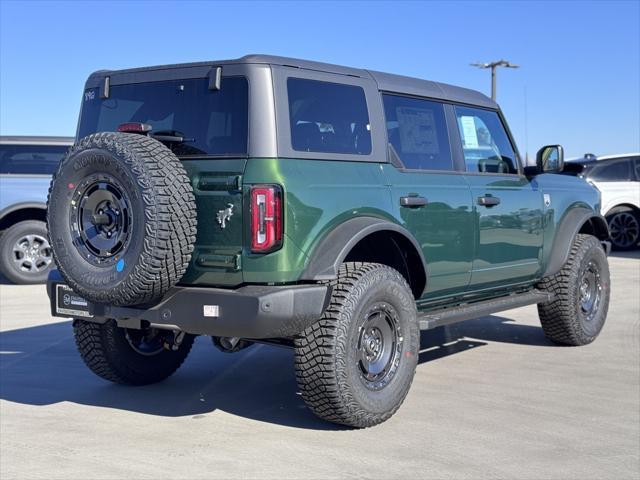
x=326, y=358
x=563, y=319
x=8, y=239
x=162, y=218
x=104, y=348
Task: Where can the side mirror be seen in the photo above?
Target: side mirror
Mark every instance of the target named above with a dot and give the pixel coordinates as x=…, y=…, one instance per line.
x=550, y=159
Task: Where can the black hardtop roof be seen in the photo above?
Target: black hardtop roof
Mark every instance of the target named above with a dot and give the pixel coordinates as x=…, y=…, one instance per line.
x=386, y=81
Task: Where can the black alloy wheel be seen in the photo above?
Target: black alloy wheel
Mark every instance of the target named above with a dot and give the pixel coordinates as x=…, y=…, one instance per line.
x=624, y=228
x=100, y=219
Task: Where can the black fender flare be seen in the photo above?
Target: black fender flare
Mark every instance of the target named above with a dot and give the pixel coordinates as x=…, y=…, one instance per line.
x=572, y=223
x=330, y=252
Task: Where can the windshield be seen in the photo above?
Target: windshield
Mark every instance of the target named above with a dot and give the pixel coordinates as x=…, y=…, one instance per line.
x=212, y=122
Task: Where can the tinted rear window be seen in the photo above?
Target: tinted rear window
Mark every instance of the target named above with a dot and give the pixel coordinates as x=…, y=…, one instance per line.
x=328, y=117
x=213, y=122
x=30, y=159
x=417, y=132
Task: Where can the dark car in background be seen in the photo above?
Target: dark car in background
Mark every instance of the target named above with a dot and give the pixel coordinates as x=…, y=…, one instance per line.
x=26, y=166
x=618, y=179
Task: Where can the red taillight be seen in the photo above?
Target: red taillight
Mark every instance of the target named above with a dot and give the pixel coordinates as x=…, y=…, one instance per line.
x=134, y=127
x=266, y=218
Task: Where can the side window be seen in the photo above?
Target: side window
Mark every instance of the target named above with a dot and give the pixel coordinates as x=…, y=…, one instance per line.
x=328, y=117
x=619, y=171
x=30, y=159
x=637, y=164
x=417, y=132
x=485, y=143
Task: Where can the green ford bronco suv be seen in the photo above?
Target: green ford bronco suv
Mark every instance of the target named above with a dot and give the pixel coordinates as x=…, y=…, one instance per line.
x=332, y=210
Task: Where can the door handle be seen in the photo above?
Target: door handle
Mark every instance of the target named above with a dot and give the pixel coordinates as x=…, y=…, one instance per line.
x=413, y=201
x=488, y=201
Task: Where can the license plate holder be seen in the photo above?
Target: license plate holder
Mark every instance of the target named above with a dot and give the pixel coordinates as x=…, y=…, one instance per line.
x=70, y=304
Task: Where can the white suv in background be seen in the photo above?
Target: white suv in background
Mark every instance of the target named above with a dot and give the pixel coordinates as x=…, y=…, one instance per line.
x=618, y=179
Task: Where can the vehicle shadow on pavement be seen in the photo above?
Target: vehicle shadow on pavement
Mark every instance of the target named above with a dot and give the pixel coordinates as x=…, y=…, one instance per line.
x=40, y=366
x=451, y=339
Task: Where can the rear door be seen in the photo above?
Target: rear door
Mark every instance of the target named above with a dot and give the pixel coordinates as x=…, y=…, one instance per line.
x=430, y=197
x=507, y=206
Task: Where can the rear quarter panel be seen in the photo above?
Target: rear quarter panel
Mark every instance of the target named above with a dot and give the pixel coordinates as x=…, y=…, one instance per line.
x=319, y=195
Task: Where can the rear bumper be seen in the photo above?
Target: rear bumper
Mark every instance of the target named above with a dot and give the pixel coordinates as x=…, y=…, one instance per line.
x=252, y=312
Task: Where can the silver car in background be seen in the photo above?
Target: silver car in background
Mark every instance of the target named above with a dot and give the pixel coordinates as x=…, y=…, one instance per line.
x=26, y=166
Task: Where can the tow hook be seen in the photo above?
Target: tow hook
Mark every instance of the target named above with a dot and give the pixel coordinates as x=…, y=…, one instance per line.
x=176, y=341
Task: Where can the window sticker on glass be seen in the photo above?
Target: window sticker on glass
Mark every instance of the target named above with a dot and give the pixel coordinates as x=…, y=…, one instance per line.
x=418, y=133
x=469, y=134
x=89, y=94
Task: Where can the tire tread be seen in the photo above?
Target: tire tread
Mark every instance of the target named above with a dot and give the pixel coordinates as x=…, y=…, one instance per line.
x=170, y=219
x=318, y=351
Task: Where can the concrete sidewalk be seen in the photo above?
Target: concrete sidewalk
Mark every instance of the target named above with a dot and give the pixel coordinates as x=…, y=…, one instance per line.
x=492, y=398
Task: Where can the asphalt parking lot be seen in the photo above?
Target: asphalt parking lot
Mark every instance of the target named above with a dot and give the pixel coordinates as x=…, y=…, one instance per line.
x=492, y=398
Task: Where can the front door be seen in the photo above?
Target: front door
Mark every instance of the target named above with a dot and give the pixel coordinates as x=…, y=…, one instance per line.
x=508, y=207
x=430, y=198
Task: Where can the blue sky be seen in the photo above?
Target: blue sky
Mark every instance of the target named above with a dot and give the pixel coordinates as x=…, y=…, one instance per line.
x=580, y=60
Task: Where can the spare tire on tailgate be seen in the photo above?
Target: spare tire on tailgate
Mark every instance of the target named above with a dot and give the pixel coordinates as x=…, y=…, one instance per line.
x=121, y=216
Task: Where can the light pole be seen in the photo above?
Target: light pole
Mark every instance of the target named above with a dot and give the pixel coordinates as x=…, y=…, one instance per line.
x=493, y=66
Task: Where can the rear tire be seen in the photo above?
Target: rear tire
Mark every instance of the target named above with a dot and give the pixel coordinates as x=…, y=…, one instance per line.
x=126, y=356
x=25, y=253
x=581, y=292
x=356, y=364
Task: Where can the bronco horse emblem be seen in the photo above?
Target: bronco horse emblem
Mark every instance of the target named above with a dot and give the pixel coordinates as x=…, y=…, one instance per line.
x=224, y=216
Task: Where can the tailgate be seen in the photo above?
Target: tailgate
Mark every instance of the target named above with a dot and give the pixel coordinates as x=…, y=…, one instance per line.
x=217, y=185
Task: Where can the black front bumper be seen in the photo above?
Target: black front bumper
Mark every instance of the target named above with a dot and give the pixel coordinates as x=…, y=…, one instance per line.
x=252, y=312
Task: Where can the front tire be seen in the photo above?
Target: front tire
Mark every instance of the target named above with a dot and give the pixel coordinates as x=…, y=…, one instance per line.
x=581, y=292
x=355, y=365
x=127, y=356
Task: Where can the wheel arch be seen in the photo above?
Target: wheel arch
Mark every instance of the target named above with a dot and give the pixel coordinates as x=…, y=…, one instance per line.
x=633, y=207
x=20, y=212
x=369, y=239
x=575, y=221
